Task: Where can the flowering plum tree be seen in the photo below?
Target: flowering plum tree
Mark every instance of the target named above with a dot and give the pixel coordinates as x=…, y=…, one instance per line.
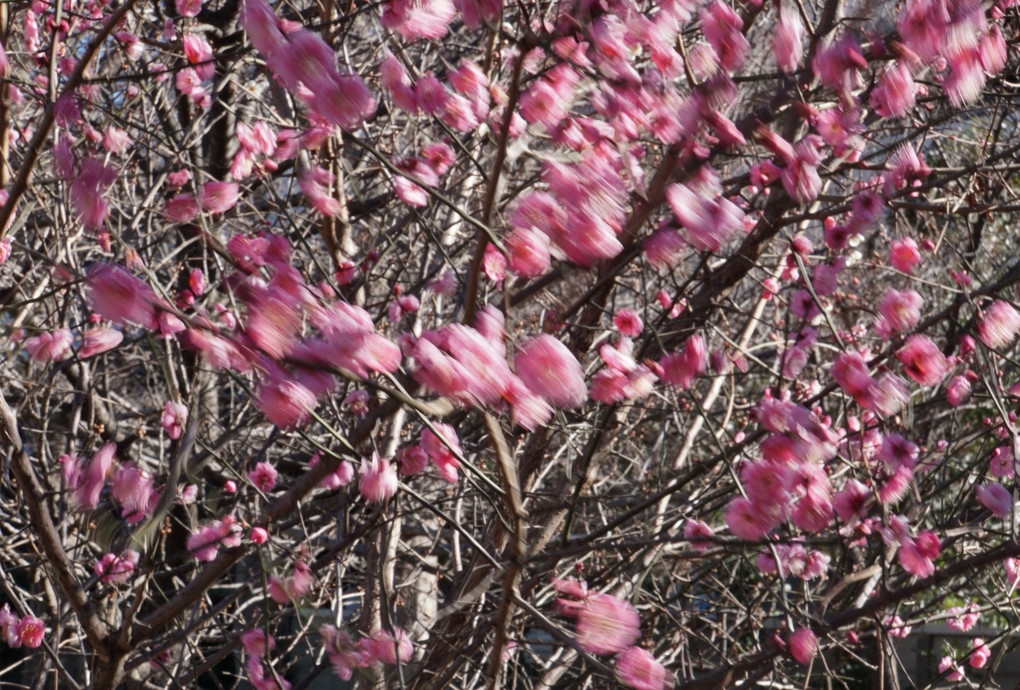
x=454, y=344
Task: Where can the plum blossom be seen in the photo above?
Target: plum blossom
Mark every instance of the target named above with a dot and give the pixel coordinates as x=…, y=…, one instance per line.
x=923, y=360
x=378, y=479
x=803, y=645
x=637, y=668
x=263, y=477
x=999, y=325
x=175, y=416
x=113, y=568
x=549, y=369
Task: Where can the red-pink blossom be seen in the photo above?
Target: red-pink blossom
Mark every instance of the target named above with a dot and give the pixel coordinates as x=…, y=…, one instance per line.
x=637, y=668
x=923, y=360
x=528, y=252
x=746, y=521
x=894, y=94
x=628, y=322
x=188, y=8
x=31, y=631
x=981, y=654
x=98, y=340
x=803, y=645
x=722, y=27
x=699, y=534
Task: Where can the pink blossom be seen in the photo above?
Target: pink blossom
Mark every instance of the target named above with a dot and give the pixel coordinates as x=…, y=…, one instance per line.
x=902, y=310
x=50, y=347
x=528, y=252
x=181, y=209
x=996, y=498
x=981, y=654
x=606, y=624
x=1002, y=462
x=722, y=27
x=120, y=297
x=133, y=489
x=89, y=483
x=88, y=189
x=698, y=533
x=999, y=325
x=638, y=669
x=315, y=184
x=259, y=535
x=397, y=82
x=893, y=96
x=803, y=645
x=786, y=43
x=443, y=449
x=954, y=672
x=963, y=618
x=549, y=369
x=263, y=477
x=378, y=479
x=257, y=642
x=680, y=369
x=745, y=520
x=113, y=568
x=175, y=416
x=923, y=360
x=286, y=402
x=414, y=19
x=628, y=322
x=31, y=631
x=903, y=255
x=388, y=648
x=958, y=390
x=218, y=197
x=98, y=340
x=189, y=8
x=913, y=561
x=116, y=140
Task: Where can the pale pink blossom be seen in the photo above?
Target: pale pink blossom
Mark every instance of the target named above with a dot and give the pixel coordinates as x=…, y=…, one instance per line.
x=894, y=94
x=605, y=624
x=528, y=252
x=788, y=37
x=414, y=19
x=901, y=310
x=133, y=488
x=699, y=534
x=389, y=648
x=958, y=390
x=257, y=642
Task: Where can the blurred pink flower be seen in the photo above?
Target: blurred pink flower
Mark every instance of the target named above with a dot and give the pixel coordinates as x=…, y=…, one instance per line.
x=923, y=360
x=175, y=416
x=638, y=669
x=113, y=568
x=378, y=479
x=121, y=297
x=803, y=645
x=549, y=369
x=996, y=498
x=263, y=477
x=98, y=340
x=903, y=255
x=999, y=325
